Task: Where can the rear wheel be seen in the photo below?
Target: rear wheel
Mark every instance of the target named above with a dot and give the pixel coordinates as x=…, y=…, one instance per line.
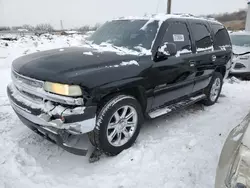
x=214, y=89
x=118, y=125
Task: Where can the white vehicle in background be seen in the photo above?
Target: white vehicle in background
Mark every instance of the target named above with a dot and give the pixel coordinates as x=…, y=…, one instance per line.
x=241, y=48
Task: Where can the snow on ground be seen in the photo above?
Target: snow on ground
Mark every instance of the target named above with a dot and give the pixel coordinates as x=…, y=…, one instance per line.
x=180, y=150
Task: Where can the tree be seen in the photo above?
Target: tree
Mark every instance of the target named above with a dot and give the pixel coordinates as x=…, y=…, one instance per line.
x=97, y=25
x=28, y=27
x=3, y=28
x=16, y=27
x=84, y=28
x=44, y=27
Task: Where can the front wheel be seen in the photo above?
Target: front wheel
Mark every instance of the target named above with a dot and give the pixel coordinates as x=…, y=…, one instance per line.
x=118, y=125
x=213, y=90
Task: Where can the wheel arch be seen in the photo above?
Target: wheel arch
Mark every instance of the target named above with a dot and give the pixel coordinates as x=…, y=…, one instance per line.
x=138, y=92
x=221, y=69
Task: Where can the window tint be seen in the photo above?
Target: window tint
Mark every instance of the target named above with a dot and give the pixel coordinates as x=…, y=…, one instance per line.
x=178, y=33
x=201, y=36
x=221, y=37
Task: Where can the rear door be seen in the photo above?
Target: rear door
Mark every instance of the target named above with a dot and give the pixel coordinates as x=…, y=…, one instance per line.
x=174, y=77
x=204, y=57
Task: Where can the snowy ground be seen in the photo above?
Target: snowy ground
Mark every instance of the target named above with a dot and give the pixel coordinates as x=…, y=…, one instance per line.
x=176, y=151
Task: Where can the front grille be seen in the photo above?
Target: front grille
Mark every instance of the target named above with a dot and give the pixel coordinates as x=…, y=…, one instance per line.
x=26, y=80
x=31, y=96
x=26, y=85
x=33, y=90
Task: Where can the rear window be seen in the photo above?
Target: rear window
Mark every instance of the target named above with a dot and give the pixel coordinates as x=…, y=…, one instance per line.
x=221, y=36
x=202, y=37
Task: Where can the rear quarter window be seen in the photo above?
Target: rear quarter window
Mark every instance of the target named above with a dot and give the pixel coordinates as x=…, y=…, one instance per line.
x=221, y=37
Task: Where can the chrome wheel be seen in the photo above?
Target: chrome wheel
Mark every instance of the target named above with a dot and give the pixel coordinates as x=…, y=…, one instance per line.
x=122, y=125
x=215, y=89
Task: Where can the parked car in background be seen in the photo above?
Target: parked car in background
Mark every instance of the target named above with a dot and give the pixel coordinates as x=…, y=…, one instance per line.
x=241, y=48
x=133, y=68
x=233, y=170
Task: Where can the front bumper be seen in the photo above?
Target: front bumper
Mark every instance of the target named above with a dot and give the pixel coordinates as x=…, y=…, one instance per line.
x=51, y=119
x=240, y=67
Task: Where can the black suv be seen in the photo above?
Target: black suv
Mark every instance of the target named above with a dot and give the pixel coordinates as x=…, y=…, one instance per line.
x=128, y=70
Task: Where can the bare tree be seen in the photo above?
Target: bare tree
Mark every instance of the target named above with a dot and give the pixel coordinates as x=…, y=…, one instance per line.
x=225, y=17
x=44, y=27
x=28, y=27
x=96, y=26
x=16, y=27
x=4, y=28
x=84, y=28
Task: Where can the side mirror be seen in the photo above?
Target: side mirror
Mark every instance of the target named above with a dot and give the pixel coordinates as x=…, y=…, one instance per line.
x=167, y=49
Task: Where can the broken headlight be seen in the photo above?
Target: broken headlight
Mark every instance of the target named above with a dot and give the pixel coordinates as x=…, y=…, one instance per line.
x=239, y=176
x=63, y=89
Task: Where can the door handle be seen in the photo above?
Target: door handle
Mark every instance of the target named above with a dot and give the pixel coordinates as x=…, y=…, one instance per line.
x=192, y=63
x=213, y=58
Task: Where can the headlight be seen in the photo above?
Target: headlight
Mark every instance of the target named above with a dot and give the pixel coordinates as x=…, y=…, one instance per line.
x=239, y=176
x=63, y=89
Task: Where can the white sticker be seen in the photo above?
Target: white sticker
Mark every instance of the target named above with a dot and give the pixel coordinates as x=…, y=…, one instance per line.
x=178, y=38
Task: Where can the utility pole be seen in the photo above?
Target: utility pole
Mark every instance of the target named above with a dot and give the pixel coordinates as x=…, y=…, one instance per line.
x=169, y=6
x=61, y=23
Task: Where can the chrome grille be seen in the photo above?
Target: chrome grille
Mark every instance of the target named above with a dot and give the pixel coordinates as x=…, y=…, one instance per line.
x=26, y=85
x=32, y=89
x=26, y=80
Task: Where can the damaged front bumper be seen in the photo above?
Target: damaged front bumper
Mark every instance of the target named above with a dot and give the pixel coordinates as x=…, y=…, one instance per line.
x=52, y=119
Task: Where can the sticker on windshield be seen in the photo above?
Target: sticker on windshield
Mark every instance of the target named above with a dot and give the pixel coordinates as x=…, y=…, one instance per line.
x=178, y=38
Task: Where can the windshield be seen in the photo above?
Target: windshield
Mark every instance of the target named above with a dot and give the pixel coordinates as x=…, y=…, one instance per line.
x=240, y=40
x=127, y=33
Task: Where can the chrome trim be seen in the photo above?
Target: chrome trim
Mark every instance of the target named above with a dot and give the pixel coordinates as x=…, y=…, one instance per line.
x=170, y=108
x=19, y=82
x=17, y=76
x=74, y=128
x=45, y=106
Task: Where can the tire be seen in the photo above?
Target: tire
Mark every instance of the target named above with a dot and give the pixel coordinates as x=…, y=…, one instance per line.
x=110, y=128
x=213, y=90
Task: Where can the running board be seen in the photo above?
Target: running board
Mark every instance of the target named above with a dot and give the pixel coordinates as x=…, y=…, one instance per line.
x=173, y=107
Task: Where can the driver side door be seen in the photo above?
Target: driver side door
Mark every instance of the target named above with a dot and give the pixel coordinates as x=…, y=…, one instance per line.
x=174, y=76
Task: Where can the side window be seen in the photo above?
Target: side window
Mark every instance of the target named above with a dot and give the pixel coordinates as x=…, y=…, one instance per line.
x=202, y=37
x=221, y=36
x=178, y=33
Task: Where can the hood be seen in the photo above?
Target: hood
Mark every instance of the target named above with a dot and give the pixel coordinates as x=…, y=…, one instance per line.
x=240, y=49
x=77, y=65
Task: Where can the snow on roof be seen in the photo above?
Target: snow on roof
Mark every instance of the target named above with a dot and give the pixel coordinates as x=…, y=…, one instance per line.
x=164, y=17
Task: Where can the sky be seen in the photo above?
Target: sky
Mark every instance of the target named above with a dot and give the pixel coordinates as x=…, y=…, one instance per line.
x=76, y=13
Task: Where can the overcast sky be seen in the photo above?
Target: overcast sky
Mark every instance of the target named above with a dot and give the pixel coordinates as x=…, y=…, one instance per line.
x=75, y=13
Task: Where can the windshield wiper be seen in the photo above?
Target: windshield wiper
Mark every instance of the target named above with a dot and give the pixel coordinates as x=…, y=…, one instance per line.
x=113, y=46
x=118, y=48
x=89, y=43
